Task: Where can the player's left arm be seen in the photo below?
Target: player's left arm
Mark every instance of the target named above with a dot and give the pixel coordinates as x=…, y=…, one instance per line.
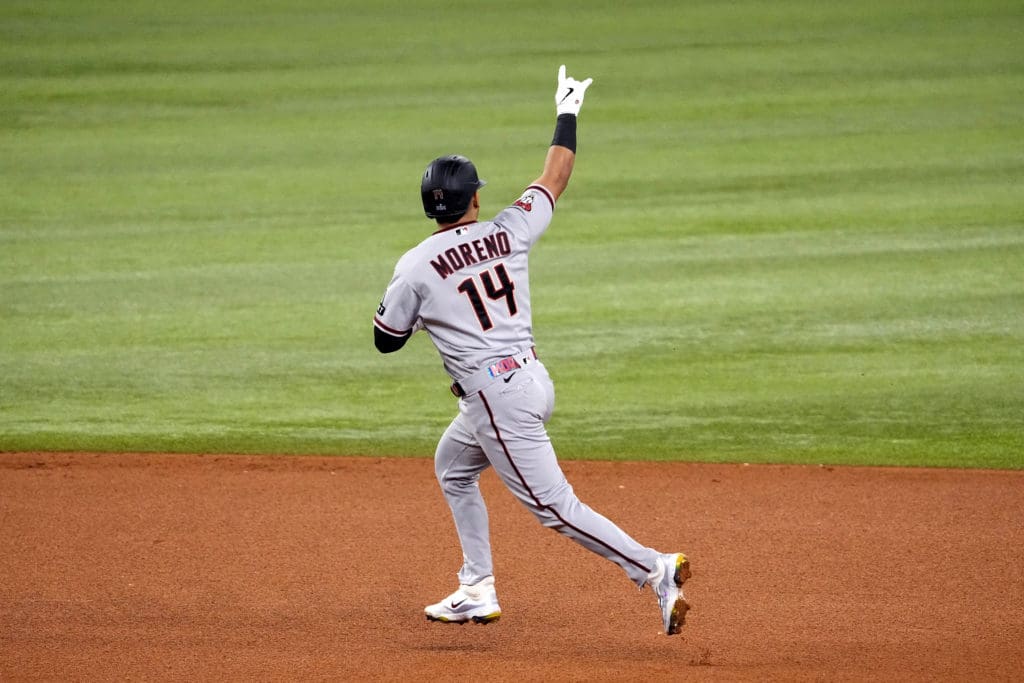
x=388, y=343
x=397, y=316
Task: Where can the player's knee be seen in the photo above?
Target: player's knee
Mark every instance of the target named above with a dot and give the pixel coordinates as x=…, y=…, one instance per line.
x=549, y=520
x=551, y=510
x=548, y=515
x=456, y=485
x=559, y=495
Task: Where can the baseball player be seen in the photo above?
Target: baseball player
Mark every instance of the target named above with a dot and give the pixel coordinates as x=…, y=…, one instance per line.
x=467, y=285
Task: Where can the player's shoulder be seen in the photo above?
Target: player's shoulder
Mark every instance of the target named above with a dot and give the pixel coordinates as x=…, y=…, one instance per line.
x=535, y=193
x=528, y=216
x=407, y=261
x=535, y=202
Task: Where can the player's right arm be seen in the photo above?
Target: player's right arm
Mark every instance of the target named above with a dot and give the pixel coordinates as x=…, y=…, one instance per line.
x=562, y=153
x=558, y=166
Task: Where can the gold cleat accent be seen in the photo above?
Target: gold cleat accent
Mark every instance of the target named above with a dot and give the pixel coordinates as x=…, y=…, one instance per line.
x=486, y=619
x=681, y=606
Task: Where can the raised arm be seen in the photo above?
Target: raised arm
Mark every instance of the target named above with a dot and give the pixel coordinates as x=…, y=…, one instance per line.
x=562, y=154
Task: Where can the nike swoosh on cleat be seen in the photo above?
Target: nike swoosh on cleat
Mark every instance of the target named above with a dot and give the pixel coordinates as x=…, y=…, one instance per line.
x=567, y=95
x=456, y=604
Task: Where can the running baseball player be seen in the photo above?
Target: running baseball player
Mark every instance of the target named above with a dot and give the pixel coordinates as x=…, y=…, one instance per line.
x=467, y=285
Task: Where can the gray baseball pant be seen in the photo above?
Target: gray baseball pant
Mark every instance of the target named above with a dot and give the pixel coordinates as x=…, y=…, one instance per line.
x=502, y=426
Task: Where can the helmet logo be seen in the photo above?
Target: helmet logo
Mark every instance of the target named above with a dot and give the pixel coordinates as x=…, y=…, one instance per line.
x=438, y=194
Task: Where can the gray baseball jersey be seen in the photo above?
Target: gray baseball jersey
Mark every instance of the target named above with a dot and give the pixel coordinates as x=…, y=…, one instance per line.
x=468, y=287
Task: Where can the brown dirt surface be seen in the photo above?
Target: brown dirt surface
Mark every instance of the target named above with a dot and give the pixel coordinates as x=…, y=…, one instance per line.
x=174, y=567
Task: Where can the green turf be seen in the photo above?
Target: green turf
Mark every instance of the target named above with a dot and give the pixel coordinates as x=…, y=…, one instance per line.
x=795, y=232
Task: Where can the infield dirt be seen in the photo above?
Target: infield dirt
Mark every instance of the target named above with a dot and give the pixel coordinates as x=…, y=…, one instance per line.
x=175, y=567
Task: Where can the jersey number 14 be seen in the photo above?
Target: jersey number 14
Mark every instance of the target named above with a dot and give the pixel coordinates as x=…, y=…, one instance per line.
x=506, y=292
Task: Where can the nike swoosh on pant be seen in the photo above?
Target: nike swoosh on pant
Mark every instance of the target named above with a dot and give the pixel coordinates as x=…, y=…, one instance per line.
x=508, y=378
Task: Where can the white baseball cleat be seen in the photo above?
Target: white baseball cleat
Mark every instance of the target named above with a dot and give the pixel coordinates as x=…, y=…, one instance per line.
x=667, y=583
x=477, y=603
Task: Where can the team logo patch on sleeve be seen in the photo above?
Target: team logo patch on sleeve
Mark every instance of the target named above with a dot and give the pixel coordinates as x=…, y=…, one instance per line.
x=526, y=201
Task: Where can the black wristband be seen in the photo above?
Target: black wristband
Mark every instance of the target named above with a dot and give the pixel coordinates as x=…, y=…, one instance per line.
x=565, y=132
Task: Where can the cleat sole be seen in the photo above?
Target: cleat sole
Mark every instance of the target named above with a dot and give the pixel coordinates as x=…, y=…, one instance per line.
x=681, y=606
x=486, y=619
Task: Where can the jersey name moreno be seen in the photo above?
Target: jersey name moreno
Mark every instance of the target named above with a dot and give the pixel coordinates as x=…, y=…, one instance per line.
x=470, y=253
x=468, y=286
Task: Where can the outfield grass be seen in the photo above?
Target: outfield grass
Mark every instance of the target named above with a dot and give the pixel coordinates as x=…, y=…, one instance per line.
x=795, y=232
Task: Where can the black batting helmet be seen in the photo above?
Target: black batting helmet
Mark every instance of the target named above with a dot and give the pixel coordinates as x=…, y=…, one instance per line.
x=448, y=186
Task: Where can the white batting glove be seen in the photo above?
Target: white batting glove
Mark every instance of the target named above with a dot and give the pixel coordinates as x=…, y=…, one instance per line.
x=569, y=96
